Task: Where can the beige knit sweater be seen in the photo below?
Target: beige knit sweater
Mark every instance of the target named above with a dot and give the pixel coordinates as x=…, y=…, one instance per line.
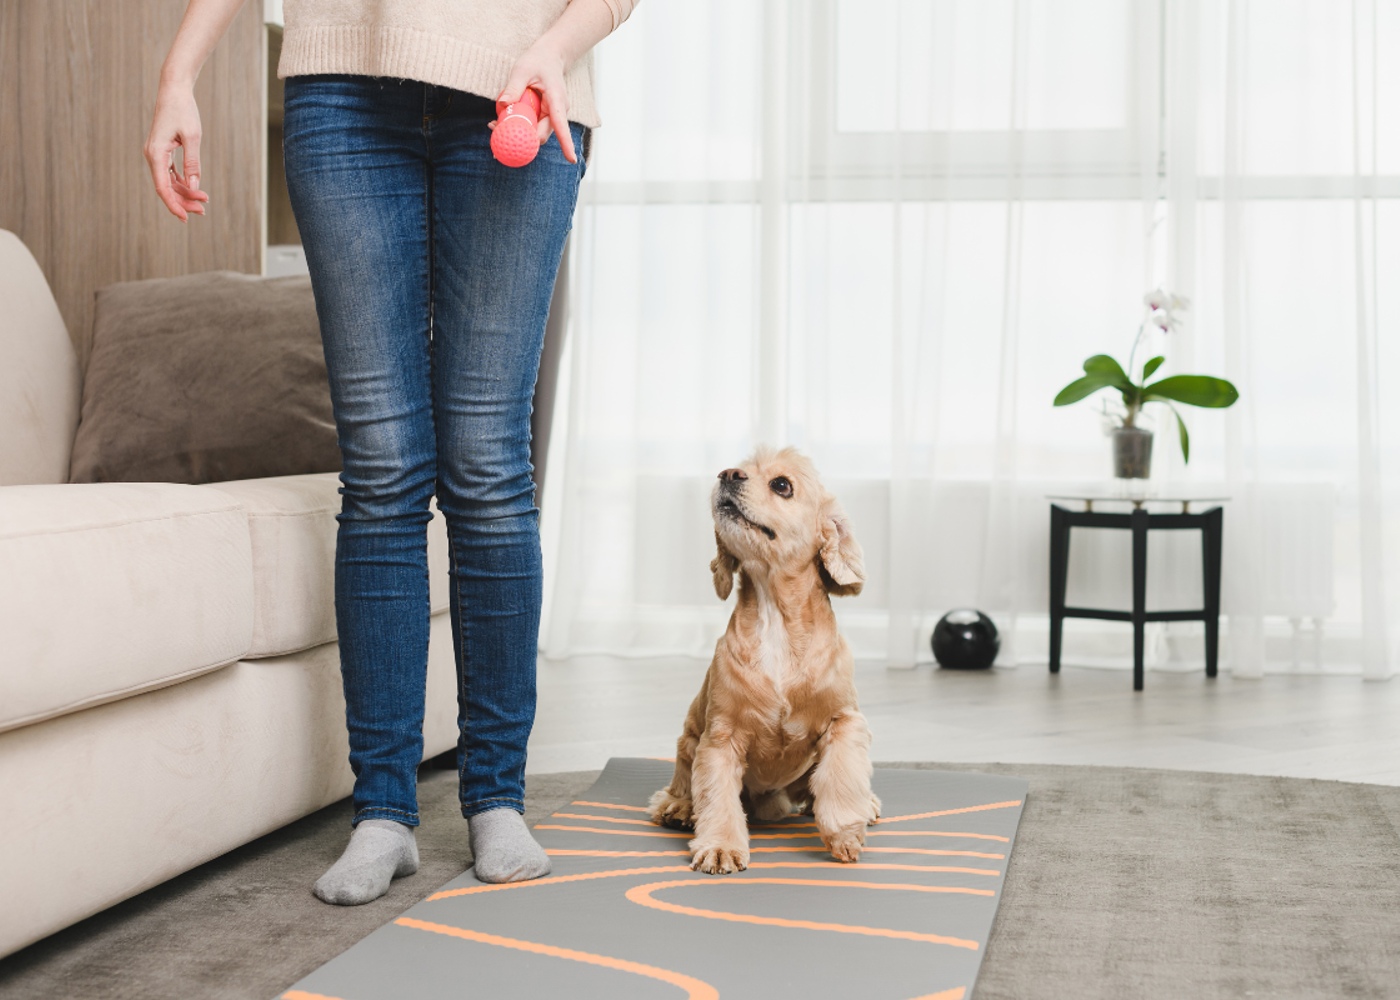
x=467, y=45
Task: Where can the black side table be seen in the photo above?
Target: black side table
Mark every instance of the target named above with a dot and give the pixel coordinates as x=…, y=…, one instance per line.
x=1139, y=522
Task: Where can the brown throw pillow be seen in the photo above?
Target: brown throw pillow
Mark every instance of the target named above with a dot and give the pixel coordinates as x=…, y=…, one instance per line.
x=202, y=379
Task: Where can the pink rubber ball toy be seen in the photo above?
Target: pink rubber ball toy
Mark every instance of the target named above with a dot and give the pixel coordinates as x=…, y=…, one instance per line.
x=515, y=141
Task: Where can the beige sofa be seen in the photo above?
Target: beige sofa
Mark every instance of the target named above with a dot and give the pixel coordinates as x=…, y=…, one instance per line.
x=169, y=674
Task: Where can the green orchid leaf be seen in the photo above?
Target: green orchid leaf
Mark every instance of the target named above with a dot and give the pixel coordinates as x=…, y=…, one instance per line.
x=1081, y=387
x=1193, y=390
x=1151, y=367
x=1184, y=437
x=1105, y=367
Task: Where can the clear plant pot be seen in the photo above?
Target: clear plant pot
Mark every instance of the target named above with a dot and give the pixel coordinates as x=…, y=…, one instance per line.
x=1132, y=453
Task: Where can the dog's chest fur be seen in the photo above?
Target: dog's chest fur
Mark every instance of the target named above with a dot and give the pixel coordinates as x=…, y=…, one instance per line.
x=782, y=744
x=773, y=655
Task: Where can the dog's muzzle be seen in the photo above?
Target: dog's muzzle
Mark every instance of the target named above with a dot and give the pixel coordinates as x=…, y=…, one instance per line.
x=731, y=484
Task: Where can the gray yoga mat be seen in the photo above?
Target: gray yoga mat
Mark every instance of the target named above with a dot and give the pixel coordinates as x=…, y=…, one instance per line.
x=623, y=915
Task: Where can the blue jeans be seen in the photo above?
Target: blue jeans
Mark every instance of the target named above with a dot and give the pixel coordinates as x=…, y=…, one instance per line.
x=432, y=267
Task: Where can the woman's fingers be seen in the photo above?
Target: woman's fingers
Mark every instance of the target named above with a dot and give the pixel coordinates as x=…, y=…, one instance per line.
x=187, y=191
x=176, y=125
x=161, y=169
x=556, y=119
x=192, y=201
x=560, y=121
x=191, y=144
x=515, y=86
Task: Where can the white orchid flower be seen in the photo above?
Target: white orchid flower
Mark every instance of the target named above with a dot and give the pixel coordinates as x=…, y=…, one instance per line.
x=1164, y=320
x=1163, y=306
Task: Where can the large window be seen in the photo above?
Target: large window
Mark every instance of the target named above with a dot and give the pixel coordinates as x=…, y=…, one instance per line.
x=889, y=230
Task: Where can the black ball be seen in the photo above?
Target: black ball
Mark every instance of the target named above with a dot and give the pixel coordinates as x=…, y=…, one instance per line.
x=965, y=639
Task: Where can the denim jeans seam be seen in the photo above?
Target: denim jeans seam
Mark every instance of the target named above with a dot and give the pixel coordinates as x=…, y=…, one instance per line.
x=460, y=654
x=372, y=812
x=440, y=112
x=510, y=800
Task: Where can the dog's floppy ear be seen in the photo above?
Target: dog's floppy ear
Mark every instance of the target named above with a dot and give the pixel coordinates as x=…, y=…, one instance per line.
x=841, y=558
x=722, y=567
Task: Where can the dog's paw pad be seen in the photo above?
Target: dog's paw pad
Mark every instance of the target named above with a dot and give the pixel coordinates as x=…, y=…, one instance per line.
x=667, y=810
x=846, y=845
x=720, y=860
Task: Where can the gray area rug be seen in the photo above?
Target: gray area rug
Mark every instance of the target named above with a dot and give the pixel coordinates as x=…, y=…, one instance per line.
x=1124, y=883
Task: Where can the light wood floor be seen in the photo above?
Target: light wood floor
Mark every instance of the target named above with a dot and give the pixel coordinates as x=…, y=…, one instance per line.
x=1340, y=728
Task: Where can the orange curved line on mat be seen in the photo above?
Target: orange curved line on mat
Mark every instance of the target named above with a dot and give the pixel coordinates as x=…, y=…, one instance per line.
x=641, y=895
x=476, y=890
x=950, y=812
x=562, y=852
x=895, y=819
x=658, y=832
x=867, y=849
x=877, y=833
x=958, y=890
x=695, y=989
x=473, y=890
x=612, y=805
x=567, y=853
x=935, y=833
x=303, y=995
x=953, y=994
x=775, y=836
x=603, y=819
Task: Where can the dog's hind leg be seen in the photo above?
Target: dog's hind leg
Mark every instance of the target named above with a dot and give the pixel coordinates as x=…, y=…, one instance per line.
x=721, y=842
x=672, y=805
x=842, y=801
x=799, y=793
x=768, y=807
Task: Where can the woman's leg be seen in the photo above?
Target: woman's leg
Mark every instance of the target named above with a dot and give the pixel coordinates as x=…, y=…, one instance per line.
x=357, y=174
x=497, y=237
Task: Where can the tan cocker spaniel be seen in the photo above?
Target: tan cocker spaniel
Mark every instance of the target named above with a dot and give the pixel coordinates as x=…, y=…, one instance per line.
x=775, y=727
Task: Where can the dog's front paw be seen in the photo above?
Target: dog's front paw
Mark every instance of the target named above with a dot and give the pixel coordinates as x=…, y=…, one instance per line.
x=721, y=859
x=845, y=844
x=667, y=810
x=874, y=809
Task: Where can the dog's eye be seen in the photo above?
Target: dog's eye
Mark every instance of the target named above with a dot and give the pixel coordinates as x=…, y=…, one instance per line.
x=781, y=486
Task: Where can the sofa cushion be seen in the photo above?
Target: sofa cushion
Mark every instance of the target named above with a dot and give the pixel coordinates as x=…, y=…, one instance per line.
x=103, y=804
x=38, y=373
x=110, y=589
x=205, y=378
x=291, y=520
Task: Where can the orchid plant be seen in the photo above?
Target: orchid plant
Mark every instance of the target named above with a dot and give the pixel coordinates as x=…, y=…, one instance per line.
x=1103, y=372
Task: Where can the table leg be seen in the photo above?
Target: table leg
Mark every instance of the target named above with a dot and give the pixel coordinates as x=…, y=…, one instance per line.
x=1059, y=575
x=1139, y=593
x=1212, y=533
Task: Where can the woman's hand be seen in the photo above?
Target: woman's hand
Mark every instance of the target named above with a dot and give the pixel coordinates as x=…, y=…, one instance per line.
x=176, y=123
x=542, y=67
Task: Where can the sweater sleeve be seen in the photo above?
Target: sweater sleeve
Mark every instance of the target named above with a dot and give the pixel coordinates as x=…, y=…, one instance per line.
x=619, y=9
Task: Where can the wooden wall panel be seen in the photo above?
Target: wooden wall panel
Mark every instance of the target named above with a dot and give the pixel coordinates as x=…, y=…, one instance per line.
x=78, y=81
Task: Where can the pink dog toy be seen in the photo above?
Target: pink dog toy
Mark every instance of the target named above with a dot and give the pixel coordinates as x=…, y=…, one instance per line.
x=515, y=141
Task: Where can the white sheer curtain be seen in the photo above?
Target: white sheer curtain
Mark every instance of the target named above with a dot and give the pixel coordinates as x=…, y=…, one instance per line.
x=888, y=231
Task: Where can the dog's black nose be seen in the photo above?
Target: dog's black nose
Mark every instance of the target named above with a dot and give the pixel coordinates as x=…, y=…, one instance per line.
x=732, y=476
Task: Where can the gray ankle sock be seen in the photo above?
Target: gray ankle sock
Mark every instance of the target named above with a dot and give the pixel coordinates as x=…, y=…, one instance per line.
x=380, y=851
x=502, y=848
